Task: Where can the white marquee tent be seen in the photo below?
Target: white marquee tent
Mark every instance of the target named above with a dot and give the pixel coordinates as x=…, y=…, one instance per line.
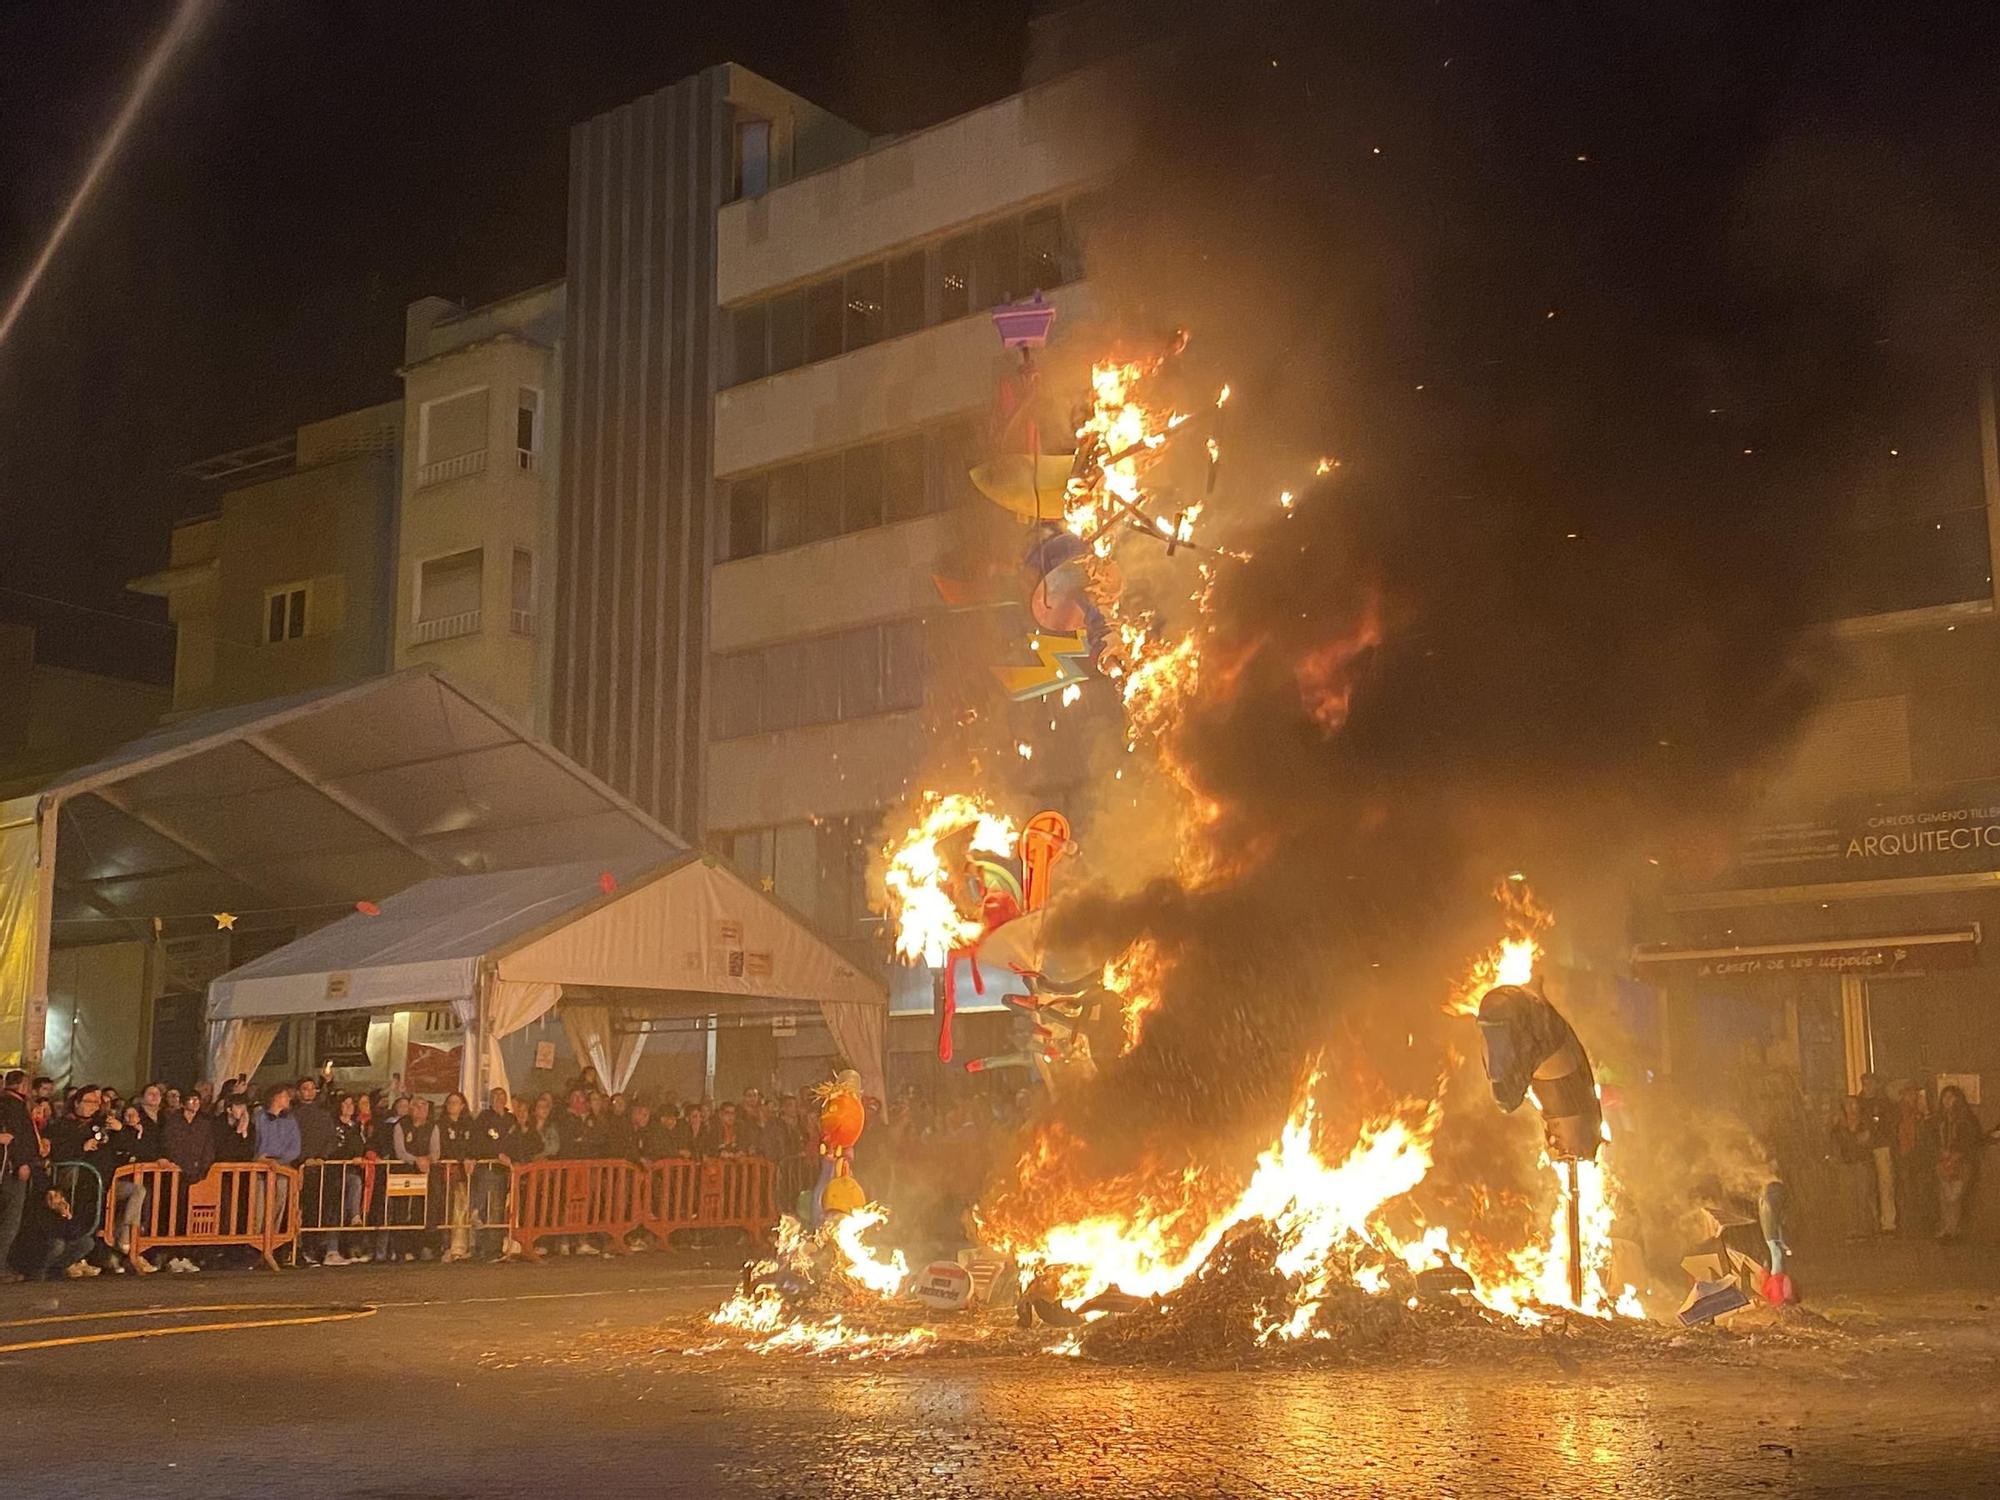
x=614, y=944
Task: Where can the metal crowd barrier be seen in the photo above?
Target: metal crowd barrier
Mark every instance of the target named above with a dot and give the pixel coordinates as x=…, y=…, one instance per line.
x=374, y=1207
x=574, y=1198
x=252, y=1203
x=736, y=1193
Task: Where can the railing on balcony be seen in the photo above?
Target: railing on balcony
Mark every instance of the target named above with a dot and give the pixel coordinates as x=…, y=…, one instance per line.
x=447, y=627
x=521, y=621
x=451, y=468
x=529, y=461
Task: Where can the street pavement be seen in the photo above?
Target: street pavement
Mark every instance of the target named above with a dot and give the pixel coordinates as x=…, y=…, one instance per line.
x=572, y=1379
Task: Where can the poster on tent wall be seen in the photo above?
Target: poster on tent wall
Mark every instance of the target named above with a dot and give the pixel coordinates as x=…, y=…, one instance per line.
x=432, y=1070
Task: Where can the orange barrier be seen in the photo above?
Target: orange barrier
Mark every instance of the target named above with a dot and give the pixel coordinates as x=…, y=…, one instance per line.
x=577, y=1197
x=252, y=1203
x=367, y=1201
x=735, y=1193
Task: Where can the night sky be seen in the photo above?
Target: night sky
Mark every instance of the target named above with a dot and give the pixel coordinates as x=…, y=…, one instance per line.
x=1805, y=192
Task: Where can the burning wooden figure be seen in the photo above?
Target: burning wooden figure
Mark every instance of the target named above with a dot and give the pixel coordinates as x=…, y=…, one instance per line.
x=1531, y=1048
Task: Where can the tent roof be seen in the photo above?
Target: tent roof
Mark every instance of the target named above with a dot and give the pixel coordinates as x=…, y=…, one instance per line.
x=683, y=926
x=288, y=809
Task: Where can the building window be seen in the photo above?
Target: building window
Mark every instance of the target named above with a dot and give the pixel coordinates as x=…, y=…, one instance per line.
x=753, y=158
x=827, y=679
x=528, y=428
x=521, y=597
x=451, y=436
x=285, y=612
x=819, y=868
x=448, y=595
x=1001, y=261
x=851, y=490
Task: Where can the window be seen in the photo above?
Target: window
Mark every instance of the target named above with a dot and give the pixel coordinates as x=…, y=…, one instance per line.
x=746, y=327
x=861, y=482
x=285, y=612
x=864, y=296
x=824, y=484
x=448, y=595
x=904, y=302
x=999, y=273
x=788, y=331
x=753, y=158
x=903, y=478
x=821, y=680
x=1042, y=250
x=786, y=505
x=903, y=664
x=527, y=426
x=860, y=673
x=737, y=703
x=954, y=277
x=826, y=314
x=745, y=536
x=521, y=593
x=451, y=431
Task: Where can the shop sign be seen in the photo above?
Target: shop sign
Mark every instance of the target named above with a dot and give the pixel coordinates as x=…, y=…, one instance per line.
x=1871, y=959
x=342, y=1040
x=1944, y=833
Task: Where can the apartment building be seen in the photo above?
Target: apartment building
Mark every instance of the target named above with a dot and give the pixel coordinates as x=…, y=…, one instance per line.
x=281, y=581
x=476, y=530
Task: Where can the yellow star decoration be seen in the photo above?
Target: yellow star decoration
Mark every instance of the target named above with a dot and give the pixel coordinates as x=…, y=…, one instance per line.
x=225, y=920
x=768, y=884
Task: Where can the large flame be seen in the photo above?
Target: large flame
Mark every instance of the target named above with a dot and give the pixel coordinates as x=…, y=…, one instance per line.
x=918, y=880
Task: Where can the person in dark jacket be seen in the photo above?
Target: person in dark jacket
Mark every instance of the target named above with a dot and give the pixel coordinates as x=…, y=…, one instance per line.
x=235, y=1137
x=17, y=1155
x=1960, y=1140
x=415, y=1141
x=55, y=1238
x=459, y=1145
x=579, y=1132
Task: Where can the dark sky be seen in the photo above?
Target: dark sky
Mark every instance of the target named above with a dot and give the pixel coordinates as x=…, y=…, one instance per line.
x=1805, y=192
x=303, y=171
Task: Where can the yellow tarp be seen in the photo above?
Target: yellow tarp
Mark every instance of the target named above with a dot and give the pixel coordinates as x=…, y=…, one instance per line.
x=20, y=887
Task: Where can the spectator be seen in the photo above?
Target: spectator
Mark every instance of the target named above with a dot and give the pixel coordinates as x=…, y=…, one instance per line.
x=1879, y=1115
x=620, y=1138
x=1960, y=1139
x=786, y=1130
x=235, y=1137
x=1856, y=1161
x=458, y=1145
x=277, y=1132
x=545, y=1126
x=694, y=1128
x=316, y=1134
x=54, y=1237
x=416, y=1147
x=579, y=1133
x=349, y=1143
x=170, y=1103
x=493, y=1124
x=153, y=1106
x=1916, y=1160
x=43, y=1091
x=652, y=1139
x=721, y=1138
x=18, y=1157
x=188, y=1141
x=129, y=1145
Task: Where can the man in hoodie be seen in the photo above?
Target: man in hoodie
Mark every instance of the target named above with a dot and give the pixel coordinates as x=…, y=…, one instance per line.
x=17, y=1157
x=277, y=1133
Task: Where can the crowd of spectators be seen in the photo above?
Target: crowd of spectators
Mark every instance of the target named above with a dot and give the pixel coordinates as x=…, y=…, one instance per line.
x=1910, y=1162
x=928, y=1153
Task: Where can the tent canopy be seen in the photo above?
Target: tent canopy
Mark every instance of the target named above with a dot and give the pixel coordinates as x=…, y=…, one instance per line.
x=686, y=934
x=321, y=799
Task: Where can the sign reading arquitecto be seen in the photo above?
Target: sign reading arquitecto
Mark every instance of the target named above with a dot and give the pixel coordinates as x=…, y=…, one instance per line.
x=1943, y=832
x=1920, y=953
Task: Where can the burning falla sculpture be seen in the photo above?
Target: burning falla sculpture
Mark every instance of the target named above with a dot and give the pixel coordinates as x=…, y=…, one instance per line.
x=1531, y=1048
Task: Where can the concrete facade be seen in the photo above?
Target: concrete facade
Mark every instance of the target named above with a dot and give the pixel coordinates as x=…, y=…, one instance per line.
x=285, y=585
x=493, y=377
x=58, y=717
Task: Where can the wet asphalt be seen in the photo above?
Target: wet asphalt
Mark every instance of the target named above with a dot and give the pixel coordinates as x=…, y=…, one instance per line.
x=570, y=1379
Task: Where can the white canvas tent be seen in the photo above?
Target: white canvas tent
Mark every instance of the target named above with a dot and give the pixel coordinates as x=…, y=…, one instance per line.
x=683, y=937
x=285, y=813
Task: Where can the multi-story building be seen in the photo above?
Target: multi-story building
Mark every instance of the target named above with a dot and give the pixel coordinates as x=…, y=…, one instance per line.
x=282, y=582
x=476, y=529
x=1845, y=933
x=58, y=715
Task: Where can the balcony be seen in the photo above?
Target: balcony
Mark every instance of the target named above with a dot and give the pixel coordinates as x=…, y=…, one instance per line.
x=447, y=469
x=521, y=621
x=446, y=627
x=528, y=461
